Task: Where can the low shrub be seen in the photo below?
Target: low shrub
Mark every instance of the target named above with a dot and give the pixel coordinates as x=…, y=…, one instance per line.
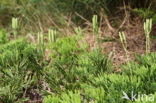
x=69, y=97
x=62, y=70
x=3, y=36
x=19, y=70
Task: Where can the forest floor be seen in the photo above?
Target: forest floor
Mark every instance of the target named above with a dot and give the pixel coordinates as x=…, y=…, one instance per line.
x=135, y=45
x=135, y=36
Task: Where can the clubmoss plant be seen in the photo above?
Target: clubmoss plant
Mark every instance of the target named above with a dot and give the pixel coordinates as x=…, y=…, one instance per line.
x=95, y=28
x=19, y=70
x=148, y=29
x=69, y=97
x=15, y=26
x=40, y=40
x=123, y=41
x=124, y=45
x=62, y=72
x=95, y=24
x=78, y=31
x=3, y=36
x=52, y=35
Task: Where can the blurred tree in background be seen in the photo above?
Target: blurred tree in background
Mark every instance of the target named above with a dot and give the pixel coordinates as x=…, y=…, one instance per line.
x=34, y=10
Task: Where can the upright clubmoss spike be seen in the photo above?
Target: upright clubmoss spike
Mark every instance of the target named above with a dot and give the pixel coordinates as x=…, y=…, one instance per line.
x=123, y=40
x=78, y=31
x=14, y=23
x=40, y=38
x=95, y=24
x=147, y=30
x=52, y=35
x=15, y=26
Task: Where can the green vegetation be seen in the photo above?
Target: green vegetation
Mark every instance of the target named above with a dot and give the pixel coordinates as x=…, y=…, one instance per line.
x=77, y=51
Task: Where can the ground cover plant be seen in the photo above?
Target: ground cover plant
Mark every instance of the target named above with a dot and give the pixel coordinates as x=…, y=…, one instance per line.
x=77, y=51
